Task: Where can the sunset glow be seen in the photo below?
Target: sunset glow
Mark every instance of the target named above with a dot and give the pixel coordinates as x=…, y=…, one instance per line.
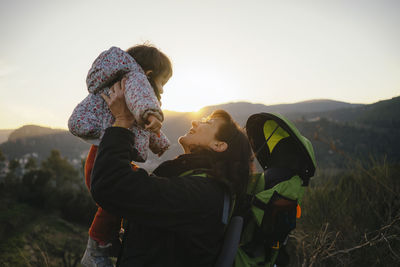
x=222, y=51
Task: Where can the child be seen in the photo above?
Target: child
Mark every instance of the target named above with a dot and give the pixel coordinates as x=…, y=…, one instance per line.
x=146, y=70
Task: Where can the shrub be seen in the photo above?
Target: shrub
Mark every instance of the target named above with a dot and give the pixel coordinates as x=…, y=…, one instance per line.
x=352, y=219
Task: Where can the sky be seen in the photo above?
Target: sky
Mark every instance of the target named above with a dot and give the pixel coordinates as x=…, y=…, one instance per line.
x=262, y=51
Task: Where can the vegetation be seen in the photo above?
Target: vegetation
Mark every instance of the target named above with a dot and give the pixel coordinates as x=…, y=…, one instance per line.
x=28, y=141
x=351, y=219
x=335, y=143
x=357, y=130
x=37, y=238
x=45, y=213
x=351, y=211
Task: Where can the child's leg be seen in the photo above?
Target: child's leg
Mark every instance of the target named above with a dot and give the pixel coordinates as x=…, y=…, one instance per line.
x=89, y=164
x=105, y=226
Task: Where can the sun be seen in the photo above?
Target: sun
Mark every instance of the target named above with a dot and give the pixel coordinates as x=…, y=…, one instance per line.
x=191, y=90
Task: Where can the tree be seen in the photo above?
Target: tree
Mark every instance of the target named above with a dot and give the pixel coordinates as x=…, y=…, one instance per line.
x=13, y=177
x=63, y=172
x=2, y=165
x=2, y=157
x=14, y=172
x=31, y=164
x=36, y=188
x=14, y=165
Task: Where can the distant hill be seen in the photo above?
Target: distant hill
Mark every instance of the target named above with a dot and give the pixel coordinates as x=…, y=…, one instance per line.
x=242, y=110
x=41, y=140
x=338, y=130
x=30, y=131
x=335, y=129
x=384, y=113
x=4, y=135
x=317, y=105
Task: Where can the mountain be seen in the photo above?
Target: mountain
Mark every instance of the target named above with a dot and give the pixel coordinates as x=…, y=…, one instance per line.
x=242, y=110
x=39, y=141
x=338, y=131
x=29, y=131
x=384, y=113
x=4, y=134
x=317, y=105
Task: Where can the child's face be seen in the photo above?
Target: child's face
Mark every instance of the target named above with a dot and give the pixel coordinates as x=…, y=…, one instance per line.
x=160, y=81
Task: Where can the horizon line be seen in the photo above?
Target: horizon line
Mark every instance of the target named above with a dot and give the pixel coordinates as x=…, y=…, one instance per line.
x=224, y=103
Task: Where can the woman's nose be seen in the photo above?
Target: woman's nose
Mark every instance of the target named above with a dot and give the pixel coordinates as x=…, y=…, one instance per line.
x=195, y=123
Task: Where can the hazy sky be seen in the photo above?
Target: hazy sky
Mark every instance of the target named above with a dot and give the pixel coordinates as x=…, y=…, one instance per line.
x=258, y=51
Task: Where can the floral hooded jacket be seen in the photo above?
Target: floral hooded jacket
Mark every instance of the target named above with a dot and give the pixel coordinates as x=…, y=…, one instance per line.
x=92, y=116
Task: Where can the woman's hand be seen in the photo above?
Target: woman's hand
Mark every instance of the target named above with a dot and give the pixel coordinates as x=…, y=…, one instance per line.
x=116, y=103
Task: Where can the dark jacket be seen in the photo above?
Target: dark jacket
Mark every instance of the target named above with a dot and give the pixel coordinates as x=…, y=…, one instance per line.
x=173, y=220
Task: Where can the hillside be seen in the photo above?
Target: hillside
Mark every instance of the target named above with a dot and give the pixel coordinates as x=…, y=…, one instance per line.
x=4, y=135
x=36, y=238
x=335, y=128
x=46, y=225
x=31, y=131
x=41, y=140
x=338, y=130
x=317, y=105
x=383, y=113
x=242, y=110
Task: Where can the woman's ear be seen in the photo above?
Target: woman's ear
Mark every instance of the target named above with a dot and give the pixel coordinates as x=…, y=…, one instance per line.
x=219, y=146
x=148, y=73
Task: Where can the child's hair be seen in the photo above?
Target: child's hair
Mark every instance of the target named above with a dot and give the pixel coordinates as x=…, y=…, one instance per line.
x=150, y=58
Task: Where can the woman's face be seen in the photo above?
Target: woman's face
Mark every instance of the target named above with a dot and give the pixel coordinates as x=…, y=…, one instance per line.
x=202, y=134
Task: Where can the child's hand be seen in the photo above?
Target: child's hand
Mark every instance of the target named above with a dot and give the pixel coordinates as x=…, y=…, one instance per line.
x=153, y=124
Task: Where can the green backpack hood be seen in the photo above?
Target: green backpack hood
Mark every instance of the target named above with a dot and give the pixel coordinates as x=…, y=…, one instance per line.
x=276, y=142
x=273, y=195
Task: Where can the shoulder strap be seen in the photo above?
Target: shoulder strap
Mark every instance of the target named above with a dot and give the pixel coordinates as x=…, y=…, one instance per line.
x=195, y=172
x=227, y=210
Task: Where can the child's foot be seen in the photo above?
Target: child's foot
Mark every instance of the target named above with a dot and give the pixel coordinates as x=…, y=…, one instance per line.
x=96, y=255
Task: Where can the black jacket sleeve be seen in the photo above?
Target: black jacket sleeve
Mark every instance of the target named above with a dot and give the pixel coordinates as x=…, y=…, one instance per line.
x=153, y=200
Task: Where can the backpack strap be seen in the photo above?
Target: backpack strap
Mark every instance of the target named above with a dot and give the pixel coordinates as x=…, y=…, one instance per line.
x=231, y=243
x=227, y=210
x=195, y=172
x=274, y=176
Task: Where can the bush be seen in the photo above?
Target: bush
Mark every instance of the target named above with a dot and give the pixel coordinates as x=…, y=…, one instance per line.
x=352, y=219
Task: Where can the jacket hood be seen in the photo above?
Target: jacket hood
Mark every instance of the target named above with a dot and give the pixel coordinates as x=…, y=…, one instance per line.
x=109, y=67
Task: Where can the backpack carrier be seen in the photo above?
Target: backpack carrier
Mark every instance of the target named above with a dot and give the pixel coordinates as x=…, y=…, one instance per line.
x=274, y=195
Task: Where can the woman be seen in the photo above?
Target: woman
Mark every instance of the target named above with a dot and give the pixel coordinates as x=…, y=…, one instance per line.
x=175, y=214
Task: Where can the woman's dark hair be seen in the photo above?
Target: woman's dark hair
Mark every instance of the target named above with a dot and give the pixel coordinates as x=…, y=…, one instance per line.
x=151, y=58
x=232, y=166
